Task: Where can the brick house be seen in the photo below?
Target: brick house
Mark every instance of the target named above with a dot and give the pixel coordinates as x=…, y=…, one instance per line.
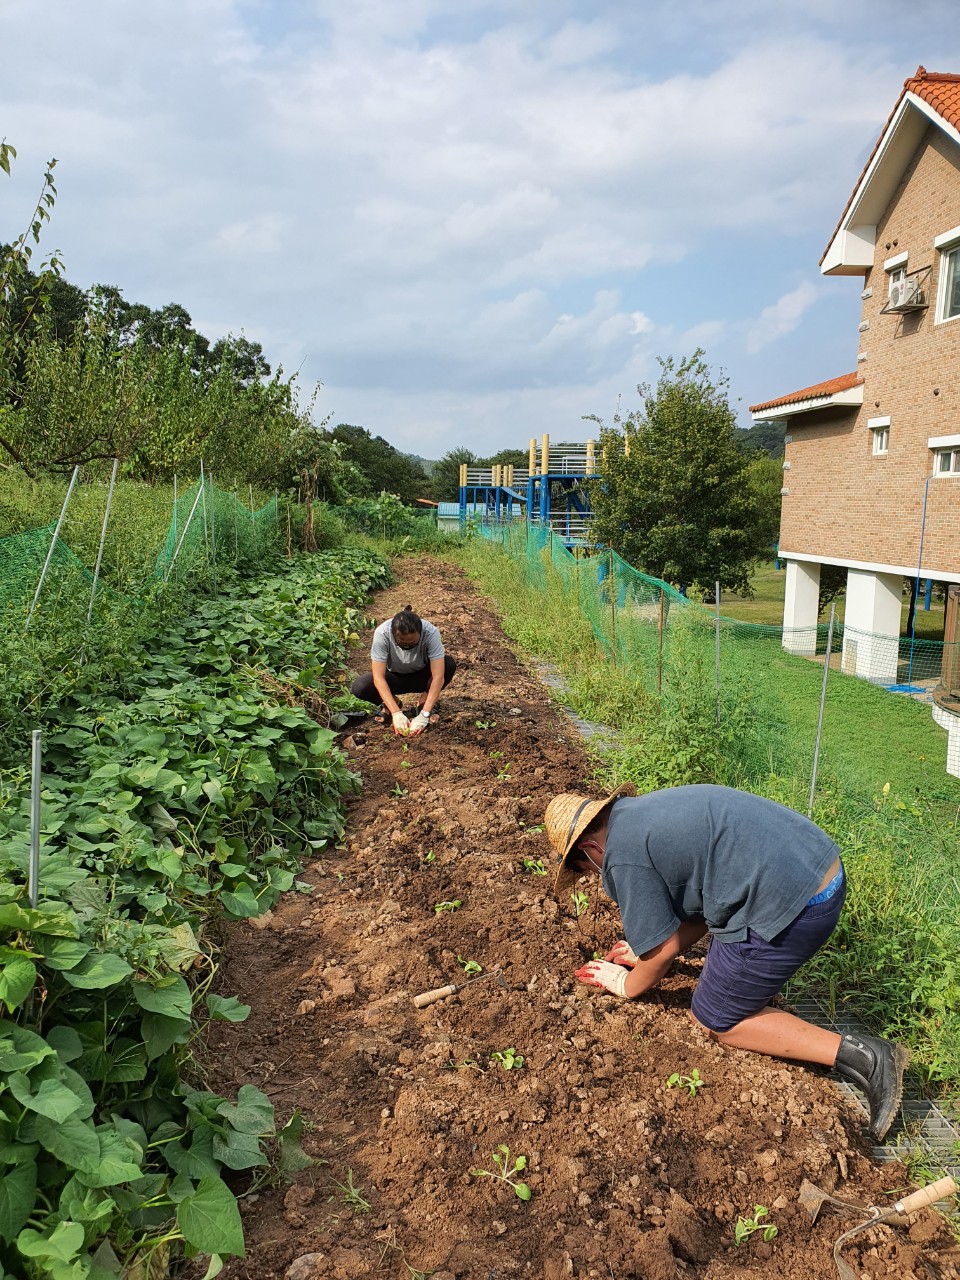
x=872, y=460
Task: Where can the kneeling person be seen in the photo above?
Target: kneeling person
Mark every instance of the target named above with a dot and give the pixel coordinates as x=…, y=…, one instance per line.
x=765, y=882
x=406, y=656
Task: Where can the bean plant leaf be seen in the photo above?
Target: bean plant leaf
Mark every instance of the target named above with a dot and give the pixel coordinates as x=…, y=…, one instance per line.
x=160, y=1033
x=119, y=1161
x=293, y=1158
x=18, y=1188
x=66, y=1041
x=180, y=947
x=63, y=953
x=17, y=978
x=239, y=1150
x=253, y=1113
x=61, y=1245
x=227, y=1009
x=100, y=969
x=242, y=903
x=43, y=919
x=20, y=1048
x=170, y=997
x=73, y=1141
x=52, y=1098
x=210, y=1219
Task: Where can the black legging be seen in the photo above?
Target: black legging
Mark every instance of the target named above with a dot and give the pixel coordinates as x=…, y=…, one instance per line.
x=409, y=682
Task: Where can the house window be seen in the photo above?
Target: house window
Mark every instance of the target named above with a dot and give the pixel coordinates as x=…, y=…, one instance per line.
x=946, y=462
x=950, y=284
x=881, y=441
x=894, y=277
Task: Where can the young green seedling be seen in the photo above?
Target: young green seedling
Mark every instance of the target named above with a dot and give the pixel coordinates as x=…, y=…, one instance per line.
x=693, y=1082
x=353, y=1196
x=746, y=1227
x=534, y=866
x=503, y=774
x=430, y=856
x=580, y=901
x=469, y=966
x=447, y=906
x=508, y=1059
x=486, y=724
x=398, y=791
x=505, y=1171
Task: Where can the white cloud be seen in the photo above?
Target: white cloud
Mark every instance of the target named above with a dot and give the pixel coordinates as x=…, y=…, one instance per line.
x=461, y=216
x=782, y=316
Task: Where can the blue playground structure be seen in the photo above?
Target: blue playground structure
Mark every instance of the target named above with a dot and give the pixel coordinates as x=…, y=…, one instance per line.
x=553, y=492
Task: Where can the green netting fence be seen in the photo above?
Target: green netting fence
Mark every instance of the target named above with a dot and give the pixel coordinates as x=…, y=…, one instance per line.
x=631, y=613
x=667, y=642
x=209, y=527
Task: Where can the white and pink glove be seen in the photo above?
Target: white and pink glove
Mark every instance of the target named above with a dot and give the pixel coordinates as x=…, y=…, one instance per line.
x=401, y=725
x=419, y=722
x=600, y=973
x=622, y=953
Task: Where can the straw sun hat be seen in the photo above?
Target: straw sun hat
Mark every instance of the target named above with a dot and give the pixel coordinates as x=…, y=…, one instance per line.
x=567, y=817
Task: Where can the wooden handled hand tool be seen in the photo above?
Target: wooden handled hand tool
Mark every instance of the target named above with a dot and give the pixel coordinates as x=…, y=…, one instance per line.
x=441, y=993
x=938, y=1190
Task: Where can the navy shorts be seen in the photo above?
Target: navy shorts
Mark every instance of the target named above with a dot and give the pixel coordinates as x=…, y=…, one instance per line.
x=741, y=978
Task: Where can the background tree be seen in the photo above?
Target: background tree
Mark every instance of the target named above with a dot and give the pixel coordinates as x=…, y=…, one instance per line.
x=762, y=437
x=386, y=469
x=681, y=504
x=445, y=480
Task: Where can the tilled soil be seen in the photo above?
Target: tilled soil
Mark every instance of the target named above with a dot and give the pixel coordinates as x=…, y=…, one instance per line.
x=630, y=1179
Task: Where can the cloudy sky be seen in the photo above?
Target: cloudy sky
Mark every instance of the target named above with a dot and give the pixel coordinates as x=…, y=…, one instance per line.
x=473, y=221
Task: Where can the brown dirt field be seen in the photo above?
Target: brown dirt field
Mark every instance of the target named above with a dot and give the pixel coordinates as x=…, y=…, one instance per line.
x=630, y=1180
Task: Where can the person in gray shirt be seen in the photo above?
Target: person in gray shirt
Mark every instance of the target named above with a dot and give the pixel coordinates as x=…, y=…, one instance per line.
x=406, y=656
x=764, y=882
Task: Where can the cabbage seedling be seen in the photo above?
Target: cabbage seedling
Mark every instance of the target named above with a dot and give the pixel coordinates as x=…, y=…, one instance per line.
x=509, y=1059
x=447, y=906
x=505, y=1171
x=692, y=1082
x=746, y=1227
x=580, y=901
x=469, y=966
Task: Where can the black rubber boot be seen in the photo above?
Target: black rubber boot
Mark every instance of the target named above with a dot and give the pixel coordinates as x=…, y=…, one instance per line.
x=876, y=1067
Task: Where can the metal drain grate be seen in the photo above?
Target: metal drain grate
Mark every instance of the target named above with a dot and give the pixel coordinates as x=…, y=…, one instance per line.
x=922, y=1125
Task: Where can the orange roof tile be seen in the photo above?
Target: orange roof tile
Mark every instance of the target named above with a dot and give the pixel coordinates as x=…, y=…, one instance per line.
x=940, y=90
x=820, y=391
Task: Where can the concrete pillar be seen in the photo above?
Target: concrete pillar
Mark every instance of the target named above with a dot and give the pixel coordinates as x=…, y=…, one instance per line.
x=947, y=720
x=871, y=625
x=801, y=605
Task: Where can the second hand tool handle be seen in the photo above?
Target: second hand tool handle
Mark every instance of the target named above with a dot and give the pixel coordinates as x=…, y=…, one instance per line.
x=927, y=1195
x=431, y=997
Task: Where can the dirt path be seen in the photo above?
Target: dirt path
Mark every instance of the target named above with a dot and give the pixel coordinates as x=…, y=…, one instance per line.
x=630, y=1180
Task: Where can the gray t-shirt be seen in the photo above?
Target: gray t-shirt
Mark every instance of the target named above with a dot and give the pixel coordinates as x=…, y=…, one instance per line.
x=729, y=858
x=403, y=661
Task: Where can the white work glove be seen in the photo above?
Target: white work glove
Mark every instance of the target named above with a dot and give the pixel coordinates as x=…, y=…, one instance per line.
x=401, y=725
x=622, y=953
x=419, y=722
x=599, y=973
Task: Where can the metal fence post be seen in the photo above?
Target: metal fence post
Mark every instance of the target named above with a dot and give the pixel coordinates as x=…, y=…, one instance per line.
x=660, y=648
x=103, y=539
x=53, y=543
x=823, y=698
x=196, y=502
x=33, y=879
x=716, y=597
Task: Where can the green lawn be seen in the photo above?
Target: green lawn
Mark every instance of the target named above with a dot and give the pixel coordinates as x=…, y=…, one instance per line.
x=766, y=606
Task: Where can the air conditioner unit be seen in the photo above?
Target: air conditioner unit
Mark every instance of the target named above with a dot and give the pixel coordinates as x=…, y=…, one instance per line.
x=904, y=293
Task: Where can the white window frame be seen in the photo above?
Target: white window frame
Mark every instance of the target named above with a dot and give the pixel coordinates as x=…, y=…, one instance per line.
x=881, y=441
x=948, y=246
x=952, y=459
